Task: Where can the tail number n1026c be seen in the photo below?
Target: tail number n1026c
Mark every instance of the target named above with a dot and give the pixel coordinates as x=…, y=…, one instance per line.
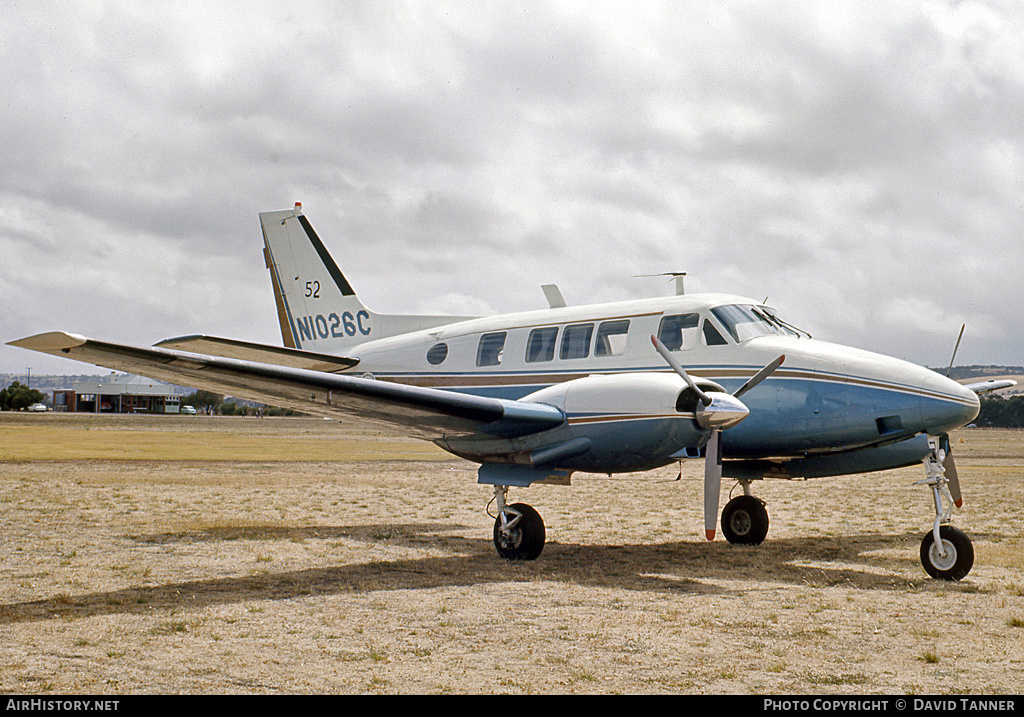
x=332, y=326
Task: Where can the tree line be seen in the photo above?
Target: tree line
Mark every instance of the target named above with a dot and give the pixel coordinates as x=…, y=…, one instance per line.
x=999, y=412
x=17, y=397
x=204, y=401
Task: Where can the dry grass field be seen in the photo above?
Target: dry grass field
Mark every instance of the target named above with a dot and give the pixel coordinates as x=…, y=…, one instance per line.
x=157, y=554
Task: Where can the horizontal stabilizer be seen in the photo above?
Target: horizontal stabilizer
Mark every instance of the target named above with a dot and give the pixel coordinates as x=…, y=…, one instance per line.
x=260, y=353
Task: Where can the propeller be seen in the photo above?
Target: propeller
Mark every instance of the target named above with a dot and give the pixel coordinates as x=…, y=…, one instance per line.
x=948, y=464
x=949, y=468
x=716, y=412
x=955, y=349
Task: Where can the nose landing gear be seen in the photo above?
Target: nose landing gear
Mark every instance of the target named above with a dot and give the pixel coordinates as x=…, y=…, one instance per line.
x=946, y=553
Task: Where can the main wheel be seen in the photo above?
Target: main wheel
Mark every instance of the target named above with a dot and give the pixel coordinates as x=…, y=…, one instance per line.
x=745, y=520
x=959, y=557
x=525, y=539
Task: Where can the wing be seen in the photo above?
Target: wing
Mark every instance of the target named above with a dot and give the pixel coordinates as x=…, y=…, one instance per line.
x=990, y=385
x=421, y=412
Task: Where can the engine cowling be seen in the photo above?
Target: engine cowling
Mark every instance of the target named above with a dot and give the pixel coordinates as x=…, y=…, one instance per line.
x=634, y=421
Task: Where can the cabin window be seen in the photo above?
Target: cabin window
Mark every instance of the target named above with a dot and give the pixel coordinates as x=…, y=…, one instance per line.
x=711, y=335
x=576, y=341
x=488, y=353
x=611, y=338
x=437, y=354
x=541, y=344
x=679, y=332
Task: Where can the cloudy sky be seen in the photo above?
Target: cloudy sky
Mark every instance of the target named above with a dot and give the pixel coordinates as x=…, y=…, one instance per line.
x=858, y=163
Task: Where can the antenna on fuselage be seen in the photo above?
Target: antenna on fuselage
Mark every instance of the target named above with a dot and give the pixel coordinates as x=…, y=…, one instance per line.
x=554, y=296
x=678, y=275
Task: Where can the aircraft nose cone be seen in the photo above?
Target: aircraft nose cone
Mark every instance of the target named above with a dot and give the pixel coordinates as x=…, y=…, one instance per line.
x=947, y=404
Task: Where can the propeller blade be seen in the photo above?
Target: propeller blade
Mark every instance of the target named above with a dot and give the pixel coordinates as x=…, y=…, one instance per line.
x=719, y=412
x=759, y=376
x=949, y=467
x=670, y=359
x=955, y=349
x=712, y=482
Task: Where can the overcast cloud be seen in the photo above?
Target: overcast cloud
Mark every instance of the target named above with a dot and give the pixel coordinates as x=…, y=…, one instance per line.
x=859, y=164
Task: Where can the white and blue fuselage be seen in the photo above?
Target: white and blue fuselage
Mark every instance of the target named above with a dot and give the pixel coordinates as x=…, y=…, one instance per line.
x=824, y=399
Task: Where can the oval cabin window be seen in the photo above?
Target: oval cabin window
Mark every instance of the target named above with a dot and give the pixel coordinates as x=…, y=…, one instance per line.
x=437, y=354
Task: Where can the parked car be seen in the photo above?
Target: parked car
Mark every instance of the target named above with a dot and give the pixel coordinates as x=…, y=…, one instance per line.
x=40, y=407
x=189, y=410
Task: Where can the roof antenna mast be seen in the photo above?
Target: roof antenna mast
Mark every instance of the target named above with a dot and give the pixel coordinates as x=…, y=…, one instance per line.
x=678, y=275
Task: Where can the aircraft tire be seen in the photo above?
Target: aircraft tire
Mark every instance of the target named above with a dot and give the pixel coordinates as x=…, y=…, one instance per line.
x=959, y=558
x=745, y=520
x=527, y=539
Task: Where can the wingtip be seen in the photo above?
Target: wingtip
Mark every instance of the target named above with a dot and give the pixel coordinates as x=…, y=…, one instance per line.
x=50, y=341
x=709, y=534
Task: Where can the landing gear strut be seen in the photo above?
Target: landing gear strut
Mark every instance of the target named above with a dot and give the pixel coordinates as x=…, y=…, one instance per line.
x=518, y=529
x=946, y=553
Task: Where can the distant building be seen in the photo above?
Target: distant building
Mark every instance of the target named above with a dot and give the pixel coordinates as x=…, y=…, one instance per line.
x=118, y=394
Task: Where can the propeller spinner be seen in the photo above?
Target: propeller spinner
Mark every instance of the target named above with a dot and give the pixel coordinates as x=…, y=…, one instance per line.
x=716, y=411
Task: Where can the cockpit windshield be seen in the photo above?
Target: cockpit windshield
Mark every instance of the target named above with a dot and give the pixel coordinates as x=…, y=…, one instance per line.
x=744, y=321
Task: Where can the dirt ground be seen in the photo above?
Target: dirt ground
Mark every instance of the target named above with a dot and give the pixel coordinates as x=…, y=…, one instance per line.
x=201, y=555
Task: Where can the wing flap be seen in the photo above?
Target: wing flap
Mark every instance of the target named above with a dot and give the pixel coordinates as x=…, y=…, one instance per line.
x=421, y=412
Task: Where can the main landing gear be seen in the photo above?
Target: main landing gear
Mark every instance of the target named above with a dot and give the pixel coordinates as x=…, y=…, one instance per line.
x=745, y=519
x=518, y=529
x=946, y=553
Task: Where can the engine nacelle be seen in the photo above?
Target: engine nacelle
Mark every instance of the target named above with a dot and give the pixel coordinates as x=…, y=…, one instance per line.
x=630, y=393
x=634, y=421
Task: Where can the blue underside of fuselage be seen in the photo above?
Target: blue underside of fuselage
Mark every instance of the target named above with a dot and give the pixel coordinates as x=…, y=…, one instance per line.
x=796, y=416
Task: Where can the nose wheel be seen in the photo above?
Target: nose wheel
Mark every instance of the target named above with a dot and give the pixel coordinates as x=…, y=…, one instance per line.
x=949, y=559
x=946, y=553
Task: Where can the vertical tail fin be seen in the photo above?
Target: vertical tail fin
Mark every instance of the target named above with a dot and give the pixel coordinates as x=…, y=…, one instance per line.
x=317, y=308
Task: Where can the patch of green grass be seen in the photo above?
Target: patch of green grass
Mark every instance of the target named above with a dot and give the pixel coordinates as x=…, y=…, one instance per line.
x=171, y=627
x=849, y=678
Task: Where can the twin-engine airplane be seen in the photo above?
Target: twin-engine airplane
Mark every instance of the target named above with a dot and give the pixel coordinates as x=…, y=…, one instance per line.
x=535, y=396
